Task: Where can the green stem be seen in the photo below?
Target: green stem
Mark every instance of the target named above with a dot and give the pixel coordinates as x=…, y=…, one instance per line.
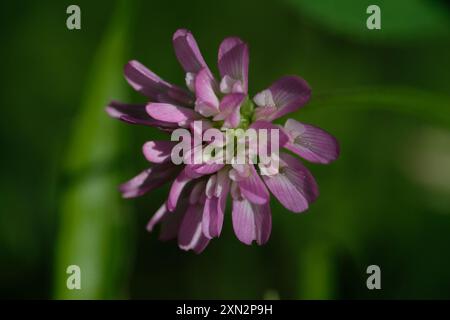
x=93, y=225
x=316, y=273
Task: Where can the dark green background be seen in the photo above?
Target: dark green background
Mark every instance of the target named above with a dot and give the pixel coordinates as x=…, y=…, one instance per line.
x=384, y=94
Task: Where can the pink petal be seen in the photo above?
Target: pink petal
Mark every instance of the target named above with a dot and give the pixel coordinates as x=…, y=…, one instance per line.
x=227, y=45
x=253, y=188
x=200, y=126
x=176, y=189
x=213, y=212
x=148, y=180
x=170, y=221
x=171, y=224
x=293, y=186
x=187, y=51
x=197, y=193
x=283, y=138
x=198, y=170
x=190, y=235
x=230, y=108
x=251, y=221
x=157, y=217
x=135, y=114
x=212, y=219
x=207, y=103
x=233, y=60
x=311, y=143
x=149, y=84
x=158, y=151
x=171, y=113
x=284, y=96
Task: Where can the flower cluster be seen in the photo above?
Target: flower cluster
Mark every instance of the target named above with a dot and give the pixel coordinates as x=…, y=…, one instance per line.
x=194, y=210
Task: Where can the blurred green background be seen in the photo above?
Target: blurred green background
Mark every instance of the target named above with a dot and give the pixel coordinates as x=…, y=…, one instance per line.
x=384, y=94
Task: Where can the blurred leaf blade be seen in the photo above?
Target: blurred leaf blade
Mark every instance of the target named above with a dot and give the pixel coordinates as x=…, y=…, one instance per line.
x=93, y=226
x=423, y=105
x=316, y=273
x=400, y=20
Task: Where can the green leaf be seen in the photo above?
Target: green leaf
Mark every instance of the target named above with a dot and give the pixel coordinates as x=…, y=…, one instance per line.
x=422, y=105
x=400, y=19
x=93, y=224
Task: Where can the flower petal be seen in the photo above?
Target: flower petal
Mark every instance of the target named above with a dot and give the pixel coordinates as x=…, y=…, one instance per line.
x=253, y=188
x=157, y=217
x=135, y=114
x=251, y=221
x=228, y=44
x=148, y=180
x=214, y=210
x=149, y=84
x=176, y=189
x=187, y=52
x=190, y=235
x=171, y=224
x=212, y=220
x=230, y=107
x=171, y=113
x=198, y=170
x=170, y=221
x=197, y=194
x=158, y=151
x=207, y=103
x=283, y=138
x=284, y=96
x=293, y=186
x=311, y=143
x=233, y=64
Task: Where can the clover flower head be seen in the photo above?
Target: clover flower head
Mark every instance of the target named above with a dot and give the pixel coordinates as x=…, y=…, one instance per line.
x=194, y=210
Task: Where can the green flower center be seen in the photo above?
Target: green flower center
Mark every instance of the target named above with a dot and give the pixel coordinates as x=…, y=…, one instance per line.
x=247, y=109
